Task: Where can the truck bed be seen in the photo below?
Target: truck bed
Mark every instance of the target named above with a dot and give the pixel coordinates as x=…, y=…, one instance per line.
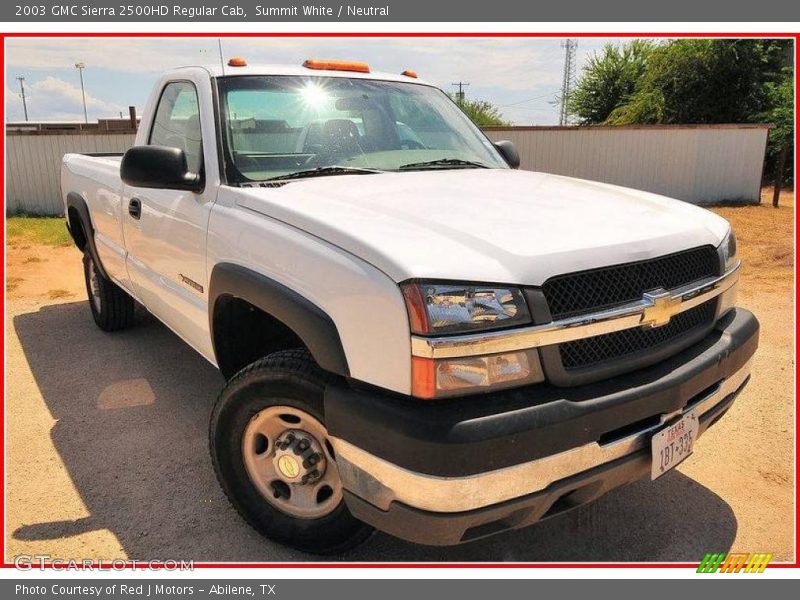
x=91, y=171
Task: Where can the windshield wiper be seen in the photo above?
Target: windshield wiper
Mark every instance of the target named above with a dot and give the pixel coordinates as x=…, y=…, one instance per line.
x=323, y=171
x=443, y=163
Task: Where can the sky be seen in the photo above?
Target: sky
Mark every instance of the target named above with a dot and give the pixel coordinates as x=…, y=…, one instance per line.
x=521, y=76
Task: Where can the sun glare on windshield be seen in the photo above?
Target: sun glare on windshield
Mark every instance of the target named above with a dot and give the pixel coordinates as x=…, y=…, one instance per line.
x=313, y=95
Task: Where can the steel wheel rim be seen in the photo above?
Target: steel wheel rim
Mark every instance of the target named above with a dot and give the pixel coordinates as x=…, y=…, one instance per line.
x=94, y=286
x=311, y=500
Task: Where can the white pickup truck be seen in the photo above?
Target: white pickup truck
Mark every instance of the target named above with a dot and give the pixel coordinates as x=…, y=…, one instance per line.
x=417, y=336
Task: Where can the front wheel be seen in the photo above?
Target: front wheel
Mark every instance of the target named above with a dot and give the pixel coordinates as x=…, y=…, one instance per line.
x=112, y=308
x=272, y=456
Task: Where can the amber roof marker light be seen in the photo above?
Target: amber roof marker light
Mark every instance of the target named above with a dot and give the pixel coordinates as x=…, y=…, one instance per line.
x=336, y=65
x=237, y=61
x=409, y=73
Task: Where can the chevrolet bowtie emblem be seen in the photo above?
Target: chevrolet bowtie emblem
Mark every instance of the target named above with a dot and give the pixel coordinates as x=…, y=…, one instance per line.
x=662, y=306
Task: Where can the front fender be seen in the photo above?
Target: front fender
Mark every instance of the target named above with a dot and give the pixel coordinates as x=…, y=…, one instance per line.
x=310, y=323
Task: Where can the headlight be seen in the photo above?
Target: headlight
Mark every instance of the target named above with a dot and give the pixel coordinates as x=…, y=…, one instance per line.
x=446, y=308
x=727, y=250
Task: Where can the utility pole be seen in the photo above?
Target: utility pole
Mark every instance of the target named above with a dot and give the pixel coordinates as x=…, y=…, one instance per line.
x=81, y=66
x=569, y=79
x=22, y=91
x=460, y=93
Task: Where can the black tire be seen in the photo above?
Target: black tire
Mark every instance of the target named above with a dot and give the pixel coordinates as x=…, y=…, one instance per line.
x=286, y=378
x=112, y=308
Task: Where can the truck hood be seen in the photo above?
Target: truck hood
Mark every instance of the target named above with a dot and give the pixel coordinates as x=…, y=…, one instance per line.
x=488, y=225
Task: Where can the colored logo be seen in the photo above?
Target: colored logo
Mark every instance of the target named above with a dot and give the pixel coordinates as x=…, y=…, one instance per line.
x=662, y=307
x=735, y=562
x=288, y=466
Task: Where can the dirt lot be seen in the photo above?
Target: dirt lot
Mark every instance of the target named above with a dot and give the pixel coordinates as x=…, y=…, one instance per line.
x=107, y=455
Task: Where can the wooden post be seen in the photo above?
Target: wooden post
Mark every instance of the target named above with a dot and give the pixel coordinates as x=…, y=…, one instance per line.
x=776, y=194
x=132, y=113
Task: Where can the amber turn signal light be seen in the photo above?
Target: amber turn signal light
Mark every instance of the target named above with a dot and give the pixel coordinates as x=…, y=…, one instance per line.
x=423, y=378
x=336, y=65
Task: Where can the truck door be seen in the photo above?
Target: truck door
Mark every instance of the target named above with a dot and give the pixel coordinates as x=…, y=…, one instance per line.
x=165, y=230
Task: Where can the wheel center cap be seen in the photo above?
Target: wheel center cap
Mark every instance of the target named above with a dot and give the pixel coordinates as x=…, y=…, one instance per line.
x=299, y=458
x=288, y=466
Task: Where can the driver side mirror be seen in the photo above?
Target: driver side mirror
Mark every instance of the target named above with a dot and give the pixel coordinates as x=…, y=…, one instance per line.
x=159, y=167
x=509, y=152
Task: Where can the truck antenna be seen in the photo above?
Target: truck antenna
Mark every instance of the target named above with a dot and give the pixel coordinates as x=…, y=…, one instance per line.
x=221, y=61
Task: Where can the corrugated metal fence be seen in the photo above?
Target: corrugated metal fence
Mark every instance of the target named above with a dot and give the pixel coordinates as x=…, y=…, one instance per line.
x=699, y=164
x=33, y=166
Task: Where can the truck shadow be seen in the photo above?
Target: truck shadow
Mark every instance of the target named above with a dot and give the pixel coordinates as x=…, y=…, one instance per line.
x=132, y=410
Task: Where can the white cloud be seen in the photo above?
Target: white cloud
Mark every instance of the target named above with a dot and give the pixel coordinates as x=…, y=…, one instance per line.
x=59, y=100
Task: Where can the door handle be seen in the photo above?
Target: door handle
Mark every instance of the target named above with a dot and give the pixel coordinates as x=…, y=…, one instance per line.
x=135, y=208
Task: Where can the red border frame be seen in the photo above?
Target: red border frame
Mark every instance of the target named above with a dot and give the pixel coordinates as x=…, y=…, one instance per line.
x=428, y=565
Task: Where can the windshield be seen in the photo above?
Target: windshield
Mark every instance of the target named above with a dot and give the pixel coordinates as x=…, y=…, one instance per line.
x=279, y=125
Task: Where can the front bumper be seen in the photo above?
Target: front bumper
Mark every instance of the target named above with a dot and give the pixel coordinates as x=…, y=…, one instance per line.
x=452, y=471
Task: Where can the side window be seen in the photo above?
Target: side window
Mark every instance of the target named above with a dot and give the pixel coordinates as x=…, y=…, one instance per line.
x=177, y=122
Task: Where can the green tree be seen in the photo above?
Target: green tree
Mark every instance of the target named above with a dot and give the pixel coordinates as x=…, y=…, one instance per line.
x=702, y=81
x=780, y=112
x=483, y=113
x=780, y=109
x=609, y=79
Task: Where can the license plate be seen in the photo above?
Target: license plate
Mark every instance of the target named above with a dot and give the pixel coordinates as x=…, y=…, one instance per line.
x=673, y=444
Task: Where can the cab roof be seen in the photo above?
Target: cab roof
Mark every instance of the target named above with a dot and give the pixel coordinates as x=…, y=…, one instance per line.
x=295, y=70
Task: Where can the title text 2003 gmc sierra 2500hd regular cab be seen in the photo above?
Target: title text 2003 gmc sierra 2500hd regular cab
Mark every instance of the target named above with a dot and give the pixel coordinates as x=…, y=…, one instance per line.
x=416, y=336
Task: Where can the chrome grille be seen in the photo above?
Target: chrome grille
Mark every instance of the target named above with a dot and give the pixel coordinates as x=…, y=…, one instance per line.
x=593, y=351
x=600, y=289
x=590, y=291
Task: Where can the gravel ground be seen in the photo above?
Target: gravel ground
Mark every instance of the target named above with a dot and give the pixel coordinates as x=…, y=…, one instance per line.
x=107, y=457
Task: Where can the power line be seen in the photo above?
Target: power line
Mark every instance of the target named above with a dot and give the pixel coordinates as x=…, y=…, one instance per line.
x=526, y=109
x=549, y=95
x=570, y=46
